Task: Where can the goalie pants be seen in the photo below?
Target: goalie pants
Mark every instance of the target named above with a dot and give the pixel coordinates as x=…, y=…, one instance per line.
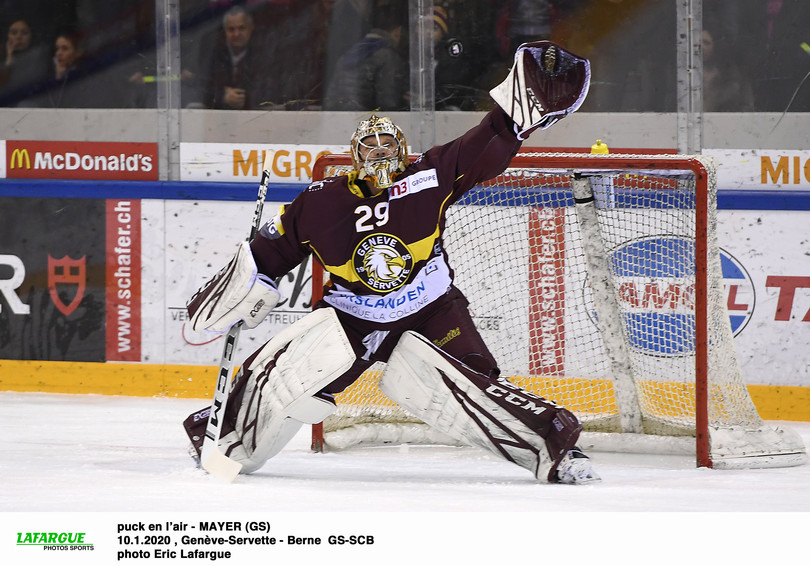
x=446, y=323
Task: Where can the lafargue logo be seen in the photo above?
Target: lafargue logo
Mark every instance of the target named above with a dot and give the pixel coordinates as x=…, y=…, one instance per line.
x=382, y=262
x=654, y=279
x=59, y=540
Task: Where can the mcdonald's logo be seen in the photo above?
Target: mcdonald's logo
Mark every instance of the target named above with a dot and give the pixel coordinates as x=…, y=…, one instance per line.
x=18, y=157
x=31, y=159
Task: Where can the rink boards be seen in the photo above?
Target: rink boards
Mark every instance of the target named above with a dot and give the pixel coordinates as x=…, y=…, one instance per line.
x=148, y=246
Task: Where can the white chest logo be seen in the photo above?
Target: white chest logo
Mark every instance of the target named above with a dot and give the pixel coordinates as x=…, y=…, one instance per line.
x=382, y=262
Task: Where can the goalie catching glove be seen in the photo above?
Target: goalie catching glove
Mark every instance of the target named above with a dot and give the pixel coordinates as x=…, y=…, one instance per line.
x=546, y=83
x=237, y=293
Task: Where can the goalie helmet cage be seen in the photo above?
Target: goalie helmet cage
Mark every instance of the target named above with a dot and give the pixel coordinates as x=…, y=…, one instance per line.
x=596, y=282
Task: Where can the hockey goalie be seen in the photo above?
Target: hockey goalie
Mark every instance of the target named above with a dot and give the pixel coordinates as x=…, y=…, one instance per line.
x=391, y=298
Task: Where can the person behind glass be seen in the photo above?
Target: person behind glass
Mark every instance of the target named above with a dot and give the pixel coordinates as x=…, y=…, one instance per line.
x=67, y=55
x=68, y=85
x=292, y=38
x=233, y=81
x=17, y=42
x=349, y=22
x=372, y=74
x=454, y=69
x=23, y=61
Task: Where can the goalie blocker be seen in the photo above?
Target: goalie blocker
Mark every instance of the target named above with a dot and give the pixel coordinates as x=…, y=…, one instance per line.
x=237, y=293
x=493, y=414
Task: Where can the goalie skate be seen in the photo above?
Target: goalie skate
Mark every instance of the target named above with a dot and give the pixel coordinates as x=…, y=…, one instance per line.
x=576, y=468
x=194, y=453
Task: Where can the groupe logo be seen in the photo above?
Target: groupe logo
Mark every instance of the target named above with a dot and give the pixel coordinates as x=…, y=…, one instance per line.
x=654, y=279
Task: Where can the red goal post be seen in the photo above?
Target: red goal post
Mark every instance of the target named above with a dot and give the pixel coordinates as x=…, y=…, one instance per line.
x=615, y=307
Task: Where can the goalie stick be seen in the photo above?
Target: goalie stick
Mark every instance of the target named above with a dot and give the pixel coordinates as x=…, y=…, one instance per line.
x=212, y=459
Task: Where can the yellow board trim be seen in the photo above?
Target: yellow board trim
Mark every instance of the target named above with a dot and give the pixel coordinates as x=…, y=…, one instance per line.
x=781, y=402
x=774, y=402
x=139, y=380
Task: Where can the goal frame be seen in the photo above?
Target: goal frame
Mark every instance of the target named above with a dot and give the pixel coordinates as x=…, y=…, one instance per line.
x=625, y=162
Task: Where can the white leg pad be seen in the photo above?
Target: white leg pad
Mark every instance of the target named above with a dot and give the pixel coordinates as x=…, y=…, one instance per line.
x=293, y=366
x=311, y=410
x=423, y=380
x=275, y=435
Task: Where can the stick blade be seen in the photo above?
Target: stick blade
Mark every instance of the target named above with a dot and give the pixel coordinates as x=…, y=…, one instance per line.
x=218, y=464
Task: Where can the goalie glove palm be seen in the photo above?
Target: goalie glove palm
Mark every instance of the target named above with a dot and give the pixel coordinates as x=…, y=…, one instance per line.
x=545, y=84
x=237, y=293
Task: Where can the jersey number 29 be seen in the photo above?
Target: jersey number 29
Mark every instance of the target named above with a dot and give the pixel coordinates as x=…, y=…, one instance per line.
x=366, y=223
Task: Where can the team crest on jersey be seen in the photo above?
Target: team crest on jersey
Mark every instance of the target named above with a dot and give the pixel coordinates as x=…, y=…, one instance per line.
x=382, y=262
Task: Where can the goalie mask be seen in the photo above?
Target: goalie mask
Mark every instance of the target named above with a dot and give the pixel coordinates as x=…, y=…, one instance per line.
x=379, y=151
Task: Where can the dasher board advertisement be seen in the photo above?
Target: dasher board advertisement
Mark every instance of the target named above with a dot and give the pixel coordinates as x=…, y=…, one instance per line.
x=232, y=162
x=762, y=169
x=70, y=280
x=81, y=160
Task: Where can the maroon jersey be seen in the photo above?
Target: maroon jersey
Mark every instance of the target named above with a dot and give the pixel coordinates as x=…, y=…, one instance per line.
x=384, y=253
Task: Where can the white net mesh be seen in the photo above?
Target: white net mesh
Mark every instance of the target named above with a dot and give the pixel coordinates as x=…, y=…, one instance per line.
x=590, y=302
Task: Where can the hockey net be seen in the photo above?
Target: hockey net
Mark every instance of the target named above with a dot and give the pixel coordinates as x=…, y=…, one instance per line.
x=596, y=282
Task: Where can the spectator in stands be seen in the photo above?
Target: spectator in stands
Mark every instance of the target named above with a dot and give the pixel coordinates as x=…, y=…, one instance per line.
x=725, y=88
x=18, y=41
x=67, y=55
x=235, y=77
x=454, y=66
x=23, y=63
x=292, y=38
x=372, y=74
x=70, y=82
x=349, y=22
x=529, y=20
x=314, y=69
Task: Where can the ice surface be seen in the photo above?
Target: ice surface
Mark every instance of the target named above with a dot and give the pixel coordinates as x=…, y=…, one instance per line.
x=126, y=456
